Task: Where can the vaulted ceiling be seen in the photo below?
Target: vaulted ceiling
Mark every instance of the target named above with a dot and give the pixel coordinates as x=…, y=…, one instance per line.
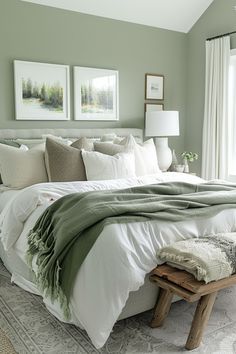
x=176, y=15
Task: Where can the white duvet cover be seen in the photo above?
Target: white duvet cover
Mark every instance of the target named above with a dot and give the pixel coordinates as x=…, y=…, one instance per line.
x=121, y=257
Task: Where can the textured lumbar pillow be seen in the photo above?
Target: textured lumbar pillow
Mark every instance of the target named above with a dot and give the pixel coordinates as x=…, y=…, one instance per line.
x=64, y=163
x=20, y=168
x=83, y=143
x=108, y=137
x=10, y=143
x=109, y=148
x=104, y=167
x=32, y=143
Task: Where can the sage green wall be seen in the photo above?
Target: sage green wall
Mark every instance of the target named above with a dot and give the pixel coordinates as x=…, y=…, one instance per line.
x=219, y=18
x=45, y=34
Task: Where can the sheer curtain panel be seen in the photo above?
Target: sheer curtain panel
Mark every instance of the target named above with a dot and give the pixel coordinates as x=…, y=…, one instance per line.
x=215, y=127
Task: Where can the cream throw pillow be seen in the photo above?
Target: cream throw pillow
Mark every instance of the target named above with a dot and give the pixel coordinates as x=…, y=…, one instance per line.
x=108, y=137
x=104, y=167
x=21, y=168
x=109, y=148
x=145, y=154
x=146, y=162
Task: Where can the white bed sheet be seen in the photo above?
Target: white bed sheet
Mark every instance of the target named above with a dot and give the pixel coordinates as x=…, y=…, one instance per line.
x=121, y=257
x=6, y=194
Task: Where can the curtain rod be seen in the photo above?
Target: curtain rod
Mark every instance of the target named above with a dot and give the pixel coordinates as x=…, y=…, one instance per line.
x=221, y=35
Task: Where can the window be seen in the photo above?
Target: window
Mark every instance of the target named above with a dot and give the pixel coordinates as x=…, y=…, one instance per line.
x=232, y=116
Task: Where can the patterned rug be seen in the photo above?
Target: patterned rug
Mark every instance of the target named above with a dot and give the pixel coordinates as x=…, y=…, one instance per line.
x=5, y=345
x=32, y=330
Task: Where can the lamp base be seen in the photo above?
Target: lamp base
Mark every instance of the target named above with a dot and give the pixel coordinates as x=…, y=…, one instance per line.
x=164, y=154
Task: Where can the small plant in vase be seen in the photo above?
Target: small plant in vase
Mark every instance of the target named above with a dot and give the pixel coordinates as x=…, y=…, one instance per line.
x=187, y=157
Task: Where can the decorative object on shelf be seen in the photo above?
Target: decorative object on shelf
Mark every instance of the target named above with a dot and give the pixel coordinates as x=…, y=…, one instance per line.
x=179, y=168
x=152, y=107
x=42, y=91
x=186, y=166
x=154, y=87
x=162, y=124
x=174, y=162
x=188, y=157
x=96, y=94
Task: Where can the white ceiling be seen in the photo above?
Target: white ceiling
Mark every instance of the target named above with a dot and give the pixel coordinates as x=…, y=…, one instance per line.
x=176, y=15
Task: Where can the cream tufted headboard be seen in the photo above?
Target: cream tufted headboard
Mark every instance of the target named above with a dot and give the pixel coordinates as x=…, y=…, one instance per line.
x=69, y=133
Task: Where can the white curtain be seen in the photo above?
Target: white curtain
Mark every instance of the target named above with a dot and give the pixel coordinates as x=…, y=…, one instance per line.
x=215, y=127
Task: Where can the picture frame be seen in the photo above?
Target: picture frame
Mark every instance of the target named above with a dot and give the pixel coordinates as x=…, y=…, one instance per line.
x=42, y=91
x=96, y=94
x=152, y=107
x=154, y=87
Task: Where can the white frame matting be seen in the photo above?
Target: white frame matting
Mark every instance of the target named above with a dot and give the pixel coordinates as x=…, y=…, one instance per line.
x=87, y=75
x=53, y=79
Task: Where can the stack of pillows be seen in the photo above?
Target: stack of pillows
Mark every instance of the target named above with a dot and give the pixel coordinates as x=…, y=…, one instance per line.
x=59, y=160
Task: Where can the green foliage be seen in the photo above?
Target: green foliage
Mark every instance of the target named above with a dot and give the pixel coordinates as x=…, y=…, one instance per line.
x=24, y=89
x=189, y=156
x=29, y=88
x=94, y=99
x=49, y=95
x=35, y=92
x=42, y=93
x=54, y=96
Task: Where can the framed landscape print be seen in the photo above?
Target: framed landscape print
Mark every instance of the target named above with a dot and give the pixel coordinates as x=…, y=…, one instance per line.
x=96, y=94
x=152, y=107
x=42, y=91
x=154, y=87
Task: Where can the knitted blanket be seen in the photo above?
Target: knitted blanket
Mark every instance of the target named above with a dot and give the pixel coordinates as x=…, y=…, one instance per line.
x=68, y=229
x=207, y=258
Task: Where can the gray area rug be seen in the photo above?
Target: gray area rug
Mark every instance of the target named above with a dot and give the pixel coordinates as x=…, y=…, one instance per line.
x=31, y=328
x=5, y=345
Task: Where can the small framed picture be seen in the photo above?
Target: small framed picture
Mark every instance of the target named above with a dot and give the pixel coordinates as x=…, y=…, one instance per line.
x=96, y=94
x=152, y=107
x=42, y=91
x=154, y=87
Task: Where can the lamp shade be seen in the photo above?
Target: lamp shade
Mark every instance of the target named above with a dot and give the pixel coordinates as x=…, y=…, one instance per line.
x=162, y=123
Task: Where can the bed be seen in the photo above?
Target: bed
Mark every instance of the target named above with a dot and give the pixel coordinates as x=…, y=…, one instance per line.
x=116, y=287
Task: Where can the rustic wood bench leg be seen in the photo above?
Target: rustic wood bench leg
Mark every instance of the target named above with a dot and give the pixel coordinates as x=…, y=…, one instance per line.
x=162, y=308
x=200, y=320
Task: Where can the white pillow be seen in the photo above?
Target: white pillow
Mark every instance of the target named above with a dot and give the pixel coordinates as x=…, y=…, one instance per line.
x=58, y=138
x=31, y=143
x=108, y=137
x=99, y=166
x=24, y=147
x=21, y=168
x=146, y=162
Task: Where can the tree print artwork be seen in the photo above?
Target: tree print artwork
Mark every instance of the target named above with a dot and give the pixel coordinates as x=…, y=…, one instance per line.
x=42, y=95
x=97, y=95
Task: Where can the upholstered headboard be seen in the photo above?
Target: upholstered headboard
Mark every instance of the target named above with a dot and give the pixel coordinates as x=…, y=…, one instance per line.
x=69, y=133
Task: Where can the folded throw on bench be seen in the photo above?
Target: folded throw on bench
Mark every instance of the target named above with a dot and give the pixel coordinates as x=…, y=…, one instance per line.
x=207, y=258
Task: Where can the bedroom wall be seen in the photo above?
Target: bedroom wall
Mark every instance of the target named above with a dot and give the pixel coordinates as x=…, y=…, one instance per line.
x=219, y=18
x=44, y=34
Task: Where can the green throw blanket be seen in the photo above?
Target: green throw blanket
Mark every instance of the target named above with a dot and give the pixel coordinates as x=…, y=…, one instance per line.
x=66, y=231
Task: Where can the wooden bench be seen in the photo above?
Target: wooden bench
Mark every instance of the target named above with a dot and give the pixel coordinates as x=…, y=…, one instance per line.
x=172, y=282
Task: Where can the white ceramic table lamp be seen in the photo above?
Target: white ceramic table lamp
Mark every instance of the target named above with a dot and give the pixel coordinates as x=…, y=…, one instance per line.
x=162, y=124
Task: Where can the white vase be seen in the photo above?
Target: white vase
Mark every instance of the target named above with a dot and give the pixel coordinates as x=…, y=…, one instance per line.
x=186, y=166
x=174, y=162
x=174, y=158
x=164, y=154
